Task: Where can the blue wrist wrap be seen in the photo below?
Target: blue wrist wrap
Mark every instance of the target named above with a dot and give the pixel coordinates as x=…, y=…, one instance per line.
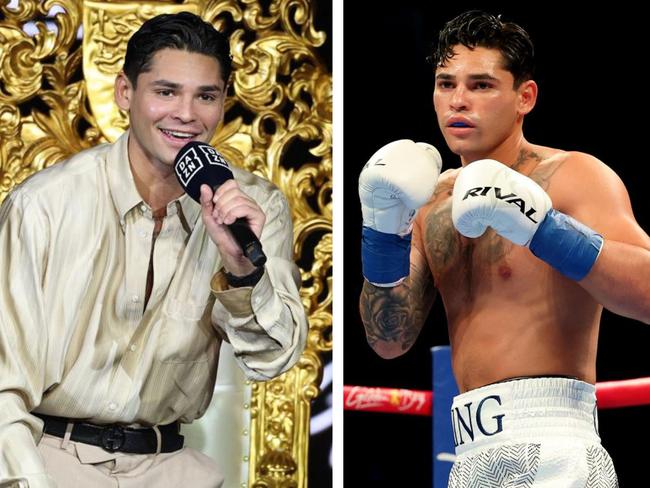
x=385, y=257
x=569, y=246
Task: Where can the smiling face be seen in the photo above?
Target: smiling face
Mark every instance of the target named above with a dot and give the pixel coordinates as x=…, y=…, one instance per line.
x=478, y=108
x=180, y=98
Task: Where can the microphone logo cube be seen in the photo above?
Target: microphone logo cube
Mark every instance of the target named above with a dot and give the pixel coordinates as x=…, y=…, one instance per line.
x=188, y=165
x=213, y=156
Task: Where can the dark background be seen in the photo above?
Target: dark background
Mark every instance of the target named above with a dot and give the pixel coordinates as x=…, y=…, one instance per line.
x=592, y=98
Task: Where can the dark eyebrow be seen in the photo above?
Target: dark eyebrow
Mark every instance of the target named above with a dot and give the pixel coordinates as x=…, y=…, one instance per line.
x=177, y=86
x=166, y=84
x=445, y=76
x=210, y=88
x=483, y=76
x=478, y=76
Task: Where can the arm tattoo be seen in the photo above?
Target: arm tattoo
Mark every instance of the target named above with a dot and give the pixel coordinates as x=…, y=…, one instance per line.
x=396, y=315
x=443, y=242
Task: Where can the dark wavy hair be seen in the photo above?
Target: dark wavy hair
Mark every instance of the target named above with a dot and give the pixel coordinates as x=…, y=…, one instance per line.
x=479, y=29
x=184, y=31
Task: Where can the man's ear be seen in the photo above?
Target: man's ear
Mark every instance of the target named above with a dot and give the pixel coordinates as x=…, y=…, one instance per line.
x=123, y=91
x=527, y=97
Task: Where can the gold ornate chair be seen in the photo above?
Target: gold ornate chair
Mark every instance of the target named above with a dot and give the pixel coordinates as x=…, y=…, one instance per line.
x=56, y=98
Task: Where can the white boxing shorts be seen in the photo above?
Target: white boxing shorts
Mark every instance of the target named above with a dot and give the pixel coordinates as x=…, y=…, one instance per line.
x=529, y=432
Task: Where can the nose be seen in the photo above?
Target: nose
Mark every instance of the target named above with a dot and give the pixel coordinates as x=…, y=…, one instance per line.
x=459, y=100
x=184, y=109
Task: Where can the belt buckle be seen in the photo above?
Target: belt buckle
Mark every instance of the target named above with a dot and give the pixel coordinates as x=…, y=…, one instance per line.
x=112, y=438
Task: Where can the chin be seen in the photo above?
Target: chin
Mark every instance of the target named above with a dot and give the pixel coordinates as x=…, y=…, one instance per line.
x=465, y=148
x=457, y=149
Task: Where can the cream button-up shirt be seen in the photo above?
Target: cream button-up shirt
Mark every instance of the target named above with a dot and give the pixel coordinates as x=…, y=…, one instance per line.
x=75, y=338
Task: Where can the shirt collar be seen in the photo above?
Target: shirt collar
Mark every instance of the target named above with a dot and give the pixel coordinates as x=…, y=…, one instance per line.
x=124, y=192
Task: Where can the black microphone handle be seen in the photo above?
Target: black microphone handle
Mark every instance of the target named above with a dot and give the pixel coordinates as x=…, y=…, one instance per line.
x=248, y=241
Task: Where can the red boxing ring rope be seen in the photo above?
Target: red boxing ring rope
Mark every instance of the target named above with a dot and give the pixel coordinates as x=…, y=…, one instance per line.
x=609, y=394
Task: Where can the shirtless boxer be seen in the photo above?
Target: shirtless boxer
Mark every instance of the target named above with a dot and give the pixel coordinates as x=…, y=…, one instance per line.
x=525, y=245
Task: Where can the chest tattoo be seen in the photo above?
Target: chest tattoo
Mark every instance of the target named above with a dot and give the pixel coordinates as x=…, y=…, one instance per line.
x=456, y=259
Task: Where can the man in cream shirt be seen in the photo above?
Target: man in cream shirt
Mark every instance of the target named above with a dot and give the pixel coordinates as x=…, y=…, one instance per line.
x=117, y=289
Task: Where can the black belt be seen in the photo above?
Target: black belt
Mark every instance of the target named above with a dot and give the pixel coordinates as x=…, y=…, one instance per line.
x=115, y=437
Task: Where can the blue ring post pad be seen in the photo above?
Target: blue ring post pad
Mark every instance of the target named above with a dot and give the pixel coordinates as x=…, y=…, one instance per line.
x=385, y=257
x=569, y=246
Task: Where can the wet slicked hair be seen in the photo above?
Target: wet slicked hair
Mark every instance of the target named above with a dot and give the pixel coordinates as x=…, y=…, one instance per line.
x=479, y=29
x=184, y=31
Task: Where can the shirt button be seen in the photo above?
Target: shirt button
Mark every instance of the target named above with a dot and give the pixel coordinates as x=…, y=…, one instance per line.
x=256, y=300
x=135, y=298
x=112, y=406
x=143, y=207
x=132, y=347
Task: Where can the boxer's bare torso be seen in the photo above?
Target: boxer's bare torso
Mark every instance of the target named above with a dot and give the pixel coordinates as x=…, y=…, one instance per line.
x=509, y=314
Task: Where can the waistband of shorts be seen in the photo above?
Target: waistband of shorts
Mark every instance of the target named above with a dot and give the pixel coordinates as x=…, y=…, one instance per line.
x=524, y=410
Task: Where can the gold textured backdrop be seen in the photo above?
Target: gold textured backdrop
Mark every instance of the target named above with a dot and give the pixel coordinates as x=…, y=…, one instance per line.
x=56, y=98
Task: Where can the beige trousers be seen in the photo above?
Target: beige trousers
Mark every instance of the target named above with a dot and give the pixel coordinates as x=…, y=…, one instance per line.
x=77, y=465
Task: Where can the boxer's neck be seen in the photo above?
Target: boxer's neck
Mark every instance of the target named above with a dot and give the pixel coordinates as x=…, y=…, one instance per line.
x=507, y=152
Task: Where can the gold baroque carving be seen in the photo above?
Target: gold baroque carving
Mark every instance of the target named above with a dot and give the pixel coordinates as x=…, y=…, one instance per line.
x=56, y=98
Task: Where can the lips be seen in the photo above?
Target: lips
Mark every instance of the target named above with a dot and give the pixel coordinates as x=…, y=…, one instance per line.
x=177, y=138
x=179, y=134
x=460, y=122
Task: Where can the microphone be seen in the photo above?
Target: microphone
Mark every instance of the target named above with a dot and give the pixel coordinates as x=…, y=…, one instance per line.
x=198, y=163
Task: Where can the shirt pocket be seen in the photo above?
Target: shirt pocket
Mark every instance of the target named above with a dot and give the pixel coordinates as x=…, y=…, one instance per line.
x=186, y=333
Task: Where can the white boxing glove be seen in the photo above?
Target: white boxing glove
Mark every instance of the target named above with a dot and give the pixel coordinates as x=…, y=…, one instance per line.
x=490, y=194
x=396, y=181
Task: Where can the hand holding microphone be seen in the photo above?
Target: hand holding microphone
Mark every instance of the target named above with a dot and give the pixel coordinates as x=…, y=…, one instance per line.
x=233, y=220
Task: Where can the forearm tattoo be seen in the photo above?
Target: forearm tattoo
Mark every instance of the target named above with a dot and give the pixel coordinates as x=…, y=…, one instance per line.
x=396, y=315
